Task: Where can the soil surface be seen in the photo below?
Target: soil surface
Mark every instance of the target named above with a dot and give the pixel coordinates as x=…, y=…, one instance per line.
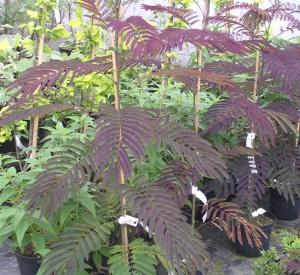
x=224, y=258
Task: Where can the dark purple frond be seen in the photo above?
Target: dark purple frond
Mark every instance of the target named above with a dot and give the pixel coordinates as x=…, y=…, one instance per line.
x=49, y=74
x=244, y=6
x=119, y=136
x=222, y=114
x=155, y=206
x=227, y=68
x=251, y=175
x=197, y=152
x=284, y=67
x=238, y=28
x=41, y=111
x=178, y=178
x=64, y=175
x=175, y=38
x=229, y=218
x=190, y=76
x=185, y=15
x=142, y=38
x=288, y=12
x=99, y=9
x=145, y=40
x=293, y=267
x=284, y=159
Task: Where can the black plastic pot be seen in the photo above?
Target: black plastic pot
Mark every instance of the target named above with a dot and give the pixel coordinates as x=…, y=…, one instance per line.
x=283, y=209
x=28, y=265
x=247, y=250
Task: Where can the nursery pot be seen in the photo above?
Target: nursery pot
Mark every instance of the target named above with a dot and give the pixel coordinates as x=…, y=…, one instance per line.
x=247, y=250
x=283, y=209
x=28, y=265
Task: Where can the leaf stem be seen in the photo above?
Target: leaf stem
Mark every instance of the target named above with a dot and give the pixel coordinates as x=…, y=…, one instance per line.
x=197, y=95
x=35, y=120
x=116, y=85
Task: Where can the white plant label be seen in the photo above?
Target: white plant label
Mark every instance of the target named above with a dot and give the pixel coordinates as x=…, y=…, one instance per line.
x=250, y=139
x=201, y=196
x=126, y=219
x=258, y=212
x=249, y=144
x=19, y=143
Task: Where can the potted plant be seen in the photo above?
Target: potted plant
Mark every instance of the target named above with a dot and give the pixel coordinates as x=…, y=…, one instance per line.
x=28, y=234
x=285, y=179
x=270, y=263
x=287, y=262
x=265, y=223
x=109, y=161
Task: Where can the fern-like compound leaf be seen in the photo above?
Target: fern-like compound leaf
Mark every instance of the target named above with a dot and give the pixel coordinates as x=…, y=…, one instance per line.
x=181, y=245
x=185, y=15
x=178, y=178
x=144, y=40
x=138, y=258
x=121, y=135
x=48, y=74
x=64, y=174
x=69, y=252
x=283, y=65
x=41, y=111
x=195, y=151
x=285, y=163
x=228, y=217
x=99, y=9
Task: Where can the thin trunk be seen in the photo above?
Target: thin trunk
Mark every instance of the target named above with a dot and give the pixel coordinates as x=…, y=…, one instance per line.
x=6, y=6
x=168, y=59
x=255, y=86
x=116, y=85
x=297, y=135
x=93, y=51
x=197, y=96
x=70, y=17
x=35, y=120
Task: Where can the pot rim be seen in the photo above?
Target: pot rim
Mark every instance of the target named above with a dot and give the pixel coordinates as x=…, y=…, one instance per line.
x=26, y=257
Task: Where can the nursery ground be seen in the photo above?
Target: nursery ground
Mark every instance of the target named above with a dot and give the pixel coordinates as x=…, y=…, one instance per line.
x=226, y=260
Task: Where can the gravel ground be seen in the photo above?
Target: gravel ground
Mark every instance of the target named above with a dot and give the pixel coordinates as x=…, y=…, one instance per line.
x=8, y=261
x=225, y=260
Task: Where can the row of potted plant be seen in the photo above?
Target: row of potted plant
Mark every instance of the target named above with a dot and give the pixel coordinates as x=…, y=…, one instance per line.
x=63, y=204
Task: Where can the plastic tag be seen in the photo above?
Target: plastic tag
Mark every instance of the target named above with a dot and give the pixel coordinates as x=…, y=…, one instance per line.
x=258, y=212
x=201, y=196
x=126, y=219
x=19, y=143
x=250, y=139
x=249, y=144
x=57, y=15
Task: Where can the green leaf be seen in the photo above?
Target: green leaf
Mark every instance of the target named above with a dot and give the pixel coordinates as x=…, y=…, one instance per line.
x=97, y=259
x=28, y=45
x=7, y=212
x=38, y=241
x=65, y=213
x=6, y=194
x=32, y=14
x=59, y=32
x=45, y=225
x=21, y=229
x=86, y=200
x=3, y=182
x=4, y=46
x=142, y=259
x=74, y=23
x=6, y=231
x=23, y=64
